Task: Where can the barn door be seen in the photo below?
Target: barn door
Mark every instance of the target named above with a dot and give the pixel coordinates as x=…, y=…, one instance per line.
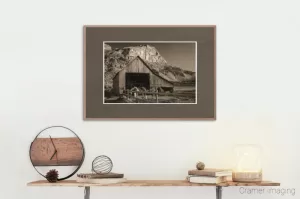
x=138, y=80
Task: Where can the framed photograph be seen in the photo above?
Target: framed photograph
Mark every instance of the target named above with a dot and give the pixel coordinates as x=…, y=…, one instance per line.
x=150, y=72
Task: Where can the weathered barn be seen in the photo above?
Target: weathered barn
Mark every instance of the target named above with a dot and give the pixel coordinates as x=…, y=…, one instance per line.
x=138, y=74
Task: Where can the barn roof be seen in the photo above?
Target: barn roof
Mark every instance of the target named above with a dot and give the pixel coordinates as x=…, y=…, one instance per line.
x=154, y=72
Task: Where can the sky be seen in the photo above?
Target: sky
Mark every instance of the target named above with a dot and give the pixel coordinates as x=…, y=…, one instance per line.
x=178, y=54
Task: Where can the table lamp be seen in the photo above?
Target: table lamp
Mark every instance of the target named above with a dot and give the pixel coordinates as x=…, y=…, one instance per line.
x=248, y=164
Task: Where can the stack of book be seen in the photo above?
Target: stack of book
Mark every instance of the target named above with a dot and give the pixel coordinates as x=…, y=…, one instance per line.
x=109, y=178
x=209, y=176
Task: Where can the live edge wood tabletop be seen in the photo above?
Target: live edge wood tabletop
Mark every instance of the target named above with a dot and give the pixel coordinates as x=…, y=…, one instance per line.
x=149, y=183
x=154, y=183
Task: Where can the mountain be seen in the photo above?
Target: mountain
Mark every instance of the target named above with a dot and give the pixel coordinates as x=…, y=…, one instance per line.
x=116, y=59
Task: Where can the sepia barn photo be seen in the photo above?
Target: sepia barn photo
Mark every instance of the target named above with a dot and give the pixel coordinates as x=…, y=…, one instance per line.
x=139, y=73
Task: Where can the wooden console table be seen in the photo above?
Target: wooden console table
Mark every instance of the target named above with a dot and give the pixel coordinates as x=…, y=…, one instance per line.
x=149, y=183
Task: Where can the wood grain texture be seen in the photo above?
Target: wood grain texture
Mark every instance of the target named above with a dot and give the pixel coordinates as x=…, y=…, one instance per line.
x=150, y=183
x=69, y=152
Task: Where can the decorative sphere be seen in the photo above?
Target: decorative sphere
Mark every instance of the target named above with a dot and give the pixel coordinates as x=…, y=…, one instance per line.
x=200, y=165
x=102, y=164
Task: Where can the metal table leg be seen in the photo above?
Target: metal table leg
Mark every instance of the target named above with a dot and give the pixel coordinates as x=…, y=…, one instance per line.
x=87, y=191
x=219, y=192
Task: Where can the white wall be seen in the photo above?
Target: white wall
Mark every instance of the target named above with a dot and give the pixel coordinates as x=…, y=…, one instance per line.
x=257, y=94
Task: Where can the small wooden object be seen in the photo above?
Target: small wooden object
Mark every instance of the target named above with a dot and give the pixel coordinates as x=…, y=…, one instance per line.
x=247, y=176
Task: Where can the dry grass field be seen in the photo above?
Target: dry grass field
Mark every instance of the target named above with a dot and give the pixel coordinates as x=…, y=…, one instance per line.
x=181, y=94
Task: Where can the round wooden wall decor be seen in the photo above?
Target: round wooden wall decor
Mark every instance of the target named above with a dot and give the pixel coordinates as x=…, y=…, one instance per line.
x=59, y=148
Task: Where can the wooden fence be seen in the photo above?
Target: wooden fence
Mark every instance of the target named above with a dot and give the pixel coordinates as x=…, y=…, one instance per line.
x=144, y=94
